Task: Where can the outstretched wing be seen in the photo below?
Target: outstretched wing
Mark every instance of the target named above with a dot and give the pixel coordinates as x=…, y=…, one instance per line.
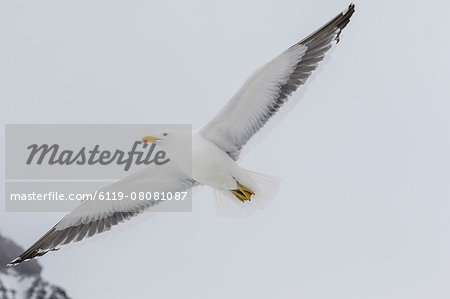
x=95, y=216
x=270, y=86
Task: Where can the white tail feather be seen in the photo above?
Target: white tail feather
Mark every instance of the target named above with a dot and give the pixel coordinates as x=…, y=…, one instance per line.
x=265, y=188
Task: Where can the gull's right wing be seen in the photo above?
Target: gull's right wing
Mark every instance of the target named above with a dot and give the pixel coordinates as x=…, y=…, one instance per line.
x=96, y=216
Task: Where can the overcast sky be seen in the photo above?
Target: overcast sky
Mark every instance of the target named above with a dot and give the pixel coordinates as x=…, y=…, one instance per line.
x=363, y=208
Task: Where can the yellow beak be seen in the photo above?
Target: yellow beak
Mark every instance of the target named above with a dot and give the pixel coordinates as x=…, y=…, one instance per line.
x=149, y=139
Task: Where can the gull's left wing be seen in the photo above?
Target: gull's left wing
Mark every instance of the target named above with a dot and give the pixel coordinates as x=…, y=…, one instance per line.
x=270, y=86
x=96, y=216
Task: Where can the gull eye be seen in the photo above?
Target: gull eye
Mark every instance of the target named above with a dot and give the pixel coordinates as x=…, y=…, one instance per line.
x=165, y=134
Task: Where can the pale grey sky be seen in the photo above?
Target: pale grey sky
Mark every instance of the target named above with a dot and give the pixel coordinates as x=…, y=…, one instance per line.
x=363, y=208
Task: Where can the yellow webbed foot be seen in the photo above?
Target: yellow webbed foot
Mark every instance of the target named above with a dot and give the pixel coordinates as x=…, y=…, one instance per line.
x=242, y=193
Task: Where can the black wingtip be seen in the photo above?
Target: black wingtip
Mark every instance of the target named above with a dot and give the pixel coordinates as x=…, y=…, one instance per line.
x=14, y=262
x=335, y=25
x=344, y=19
x=346, y=15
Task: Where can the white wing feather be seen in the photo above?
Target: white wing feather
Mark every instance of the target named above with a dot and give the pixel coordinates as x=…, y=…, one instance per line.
x=96, y=216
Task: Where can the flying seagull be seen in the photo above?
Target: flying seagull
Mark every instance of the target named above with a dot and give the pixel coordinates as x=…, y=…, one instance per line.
x=215, y=148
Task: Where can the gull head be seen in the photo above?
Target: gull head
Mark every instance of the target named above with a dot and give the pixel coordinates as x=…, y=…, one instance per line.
x=176, y=143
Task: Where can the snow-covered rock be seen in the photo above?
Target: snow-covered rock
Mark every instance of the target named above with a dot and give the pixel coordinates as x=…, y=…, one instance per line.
x=23, y=281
